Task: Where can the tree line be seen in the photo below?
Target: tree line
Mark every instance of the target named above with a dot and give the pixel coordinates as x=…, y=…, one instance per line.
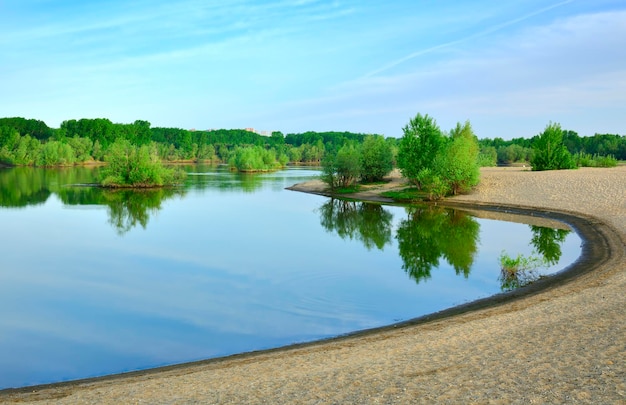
x=521, y=149
x=31, y=142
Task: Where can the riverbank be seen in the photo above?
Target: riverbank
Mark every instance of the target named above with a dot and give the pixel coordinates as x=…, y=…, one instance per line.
x=566, y=344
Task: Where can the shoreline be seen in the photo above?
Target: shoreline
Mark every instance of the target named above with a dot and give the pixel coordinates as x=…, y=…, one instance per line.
x=335, y=370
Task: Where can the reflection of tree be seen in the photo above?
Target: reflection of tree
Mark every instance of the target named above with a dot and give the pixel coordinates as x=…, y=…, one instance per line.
x=520, y=271
x=547, y=242
x=369, y=223
x=430, y=233
x=22, y=186
x=127, y=207
x=199, y=178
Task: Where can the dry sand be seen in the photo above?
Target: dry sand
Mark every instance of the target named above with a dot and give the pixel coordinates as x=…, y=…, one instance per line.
x=566, y=344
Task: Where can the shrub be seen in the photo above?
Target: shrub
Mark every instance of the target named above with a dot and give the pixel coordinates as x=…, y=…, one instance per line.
x=342, y=169
x=516, y=272
x=376, y=158
x=587, y=160
x=549, y=151
x=132, y=166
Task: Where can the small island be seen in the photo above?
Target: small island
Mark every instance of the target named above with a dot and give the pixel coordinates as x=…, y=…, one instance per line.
x=130, y=166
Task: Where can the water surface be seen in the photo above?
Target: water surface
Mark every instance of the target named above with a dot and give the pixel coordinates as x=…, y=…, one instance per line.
x=94, y=282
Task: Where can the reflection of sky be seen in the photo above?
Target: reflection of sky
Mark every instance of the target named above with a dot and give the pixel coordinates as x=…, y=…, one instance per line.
x=213, y=273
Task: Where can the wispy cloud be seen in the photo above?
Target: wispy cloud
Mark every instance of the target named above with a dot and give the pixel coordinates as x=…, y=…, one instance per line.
x=304, y=65
x=482, y=33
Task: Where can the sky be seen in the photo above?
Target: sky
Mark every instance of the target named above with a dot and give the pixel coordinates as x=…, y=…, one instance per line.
x=367, y=66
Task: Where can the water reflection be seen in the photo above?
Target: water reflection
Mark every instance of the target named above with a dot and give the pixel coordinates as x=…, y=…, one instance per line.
x=427, y=235
x=368, y=223
x=203, y=177
x=19, y=188
x=519, y=271
x=547, y=242
x=127, y=208
x=26, y=186
x=431, y=233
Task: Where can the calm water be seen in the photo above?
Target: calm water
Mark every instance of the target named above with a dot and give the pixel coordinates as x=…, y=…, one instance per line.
x=94, y=282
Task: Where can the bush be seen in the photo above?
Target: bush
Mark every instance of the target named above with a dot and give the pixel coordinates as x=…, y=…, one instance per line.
x=549, y=151
x=342, y=169
x=132, y=166
x=587, y=160
x=376, y=158
x=437, y=164
x=254, y=159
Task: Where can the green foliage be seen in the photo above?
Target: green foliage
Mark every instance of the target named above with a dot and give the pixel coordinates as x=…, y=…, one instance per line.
x=342, y=169
x=549, y=152
x=55, y=153
x=516, y=272
x=458, y=166
x=34, y=128
x=132, y=166
x=407, y=195
x=488, y=156
x=254, y=159
x=376, y=158
x=437, y=164
x=513, y=153
x=421, y=142
x=588, y=160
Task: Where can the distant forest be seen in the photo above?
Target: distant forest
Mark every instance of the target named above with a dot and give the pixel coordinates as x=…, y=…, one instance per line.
x=31, y=142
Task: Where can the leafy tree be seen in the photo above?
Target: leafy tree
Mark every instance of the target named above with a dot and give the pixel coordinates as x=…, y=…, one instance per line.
x=83, y=148
x=342, y=169
x=35, y=128
x=254, y=159
x=488, y=156
x=421, y=142
x=132, y=166
x=459, y=166
x=376, y=158
x=549, y=152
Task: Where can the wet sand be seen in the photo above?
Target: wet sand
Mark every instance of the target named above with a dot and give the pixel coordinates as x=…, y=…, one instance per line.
x=565, y=344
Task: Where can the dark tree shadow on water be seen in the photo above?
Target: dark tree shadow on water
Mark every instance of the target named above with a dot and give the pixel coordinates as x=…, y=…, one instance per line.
x=547, y=242
x=365, y=222
x=432, y=233
x=127, y=208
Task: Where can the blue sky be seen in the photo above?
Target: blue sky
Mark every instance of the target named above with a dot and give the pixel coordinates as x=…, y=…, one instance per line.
x=363, y=66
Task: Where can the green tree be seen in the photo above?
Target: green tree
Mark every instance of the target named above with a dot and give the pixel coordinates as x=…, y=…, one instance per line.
x=140, y=167
x=488, y=156
x=422, y=140
x=254, y=159
x=376, y=158
x=459, y=166
x=549, y=152
x=342, y=169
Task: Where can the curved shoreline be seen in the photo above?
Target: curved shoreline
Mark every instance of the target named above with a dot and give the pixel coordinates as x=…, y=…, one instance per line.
x=335, y=370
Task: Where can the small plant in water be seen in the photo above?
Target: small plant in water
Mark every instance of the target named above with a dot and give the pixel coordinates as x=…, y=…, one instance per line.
x=516, y=272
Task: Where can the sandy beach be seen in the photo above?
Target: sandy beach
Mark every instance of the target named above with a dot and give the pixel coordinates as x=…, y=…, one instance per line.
x=565, y=344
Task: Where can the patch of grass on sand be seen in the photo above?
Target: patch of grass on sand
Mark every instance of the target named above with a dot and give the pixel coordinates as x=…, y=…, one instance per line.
x=409, y=194
x=348, y=190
